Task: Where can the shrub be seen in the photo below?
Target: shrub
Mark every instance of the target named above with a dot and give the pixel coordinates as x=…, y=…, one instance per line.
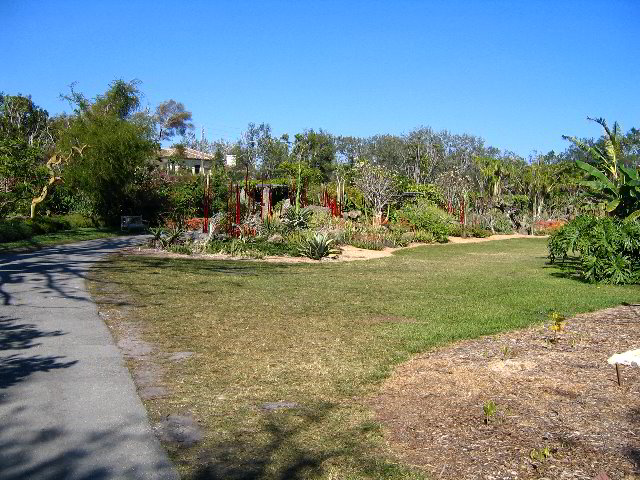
x=318, y=246
x=183, y=249
x=493, y=220
x=457, y=231
x=253, y=247
x=479, y=232
x=501, y=222
x=547, y=227
x=608, y=249
x=426, y=216
x=423, y=236
x=22, y=228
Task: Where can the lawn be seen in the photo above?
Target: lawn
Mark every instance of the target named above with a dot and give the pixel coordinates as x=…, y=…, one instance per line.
x=321, y=337
x=58, y=238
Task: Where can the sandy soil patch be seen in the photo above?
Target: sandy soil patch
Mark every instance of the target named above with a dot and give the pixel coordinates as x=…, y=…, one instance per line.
x=552, y=391
x=349, y=253
x=491, y=238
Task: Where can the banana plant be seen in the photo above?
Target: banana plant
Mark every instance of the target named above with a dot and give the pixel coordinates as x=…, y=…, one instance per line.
x=609, y=177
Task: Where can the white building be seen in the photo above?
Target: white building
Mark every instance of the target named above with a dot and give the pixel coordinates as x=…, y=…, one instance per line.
x=173, y=160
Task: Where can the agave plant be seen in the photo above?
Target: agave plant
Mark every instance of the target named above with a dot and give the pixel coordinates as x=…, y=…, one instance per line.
x=297, y=220
x=318, y=246
x=609, y=177
x=156, y=233
x=172, y=236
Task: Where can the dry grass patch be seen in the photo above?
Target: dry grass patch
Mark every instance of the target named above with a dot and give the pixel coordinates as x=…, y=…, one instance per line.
x=559, y=411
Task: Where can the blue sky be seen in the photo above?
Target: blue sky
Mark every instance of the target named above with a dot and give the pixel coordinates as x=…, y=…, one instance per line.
x=518, y=73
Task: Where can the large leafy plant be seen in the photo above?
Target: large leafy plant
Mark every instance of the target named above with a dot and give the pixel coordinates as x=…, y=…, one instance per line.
x=618, y=185
x=607, y=249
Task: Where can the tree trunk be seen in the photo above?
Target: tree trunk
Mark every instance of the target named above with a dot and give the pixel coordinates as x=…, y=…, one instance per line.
x=377, y=218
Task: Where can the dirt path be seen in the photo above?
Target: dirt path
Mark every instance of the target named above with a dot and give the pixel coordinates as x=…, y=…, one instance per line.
x=552, y=391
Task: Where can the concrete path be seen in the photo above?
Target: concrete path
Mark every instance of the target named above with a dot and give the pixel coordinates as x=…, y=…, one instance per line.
x=68, y=406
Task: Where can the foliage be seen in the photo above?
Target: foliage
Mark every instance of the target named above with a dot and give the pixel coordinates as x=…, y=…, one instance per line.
x=374, y=238
x=558, y=320
x=317, y=151
x=540, y=454
x=423, y=236
x=172, y=235
x=318, y=246
x=62, y=199
x=21, y=175
x=617, y=184
x=179, y=248
x=608, y=249
x=20, y=228
x=117, y=147
x=254, y=247
x=172, y=118
x=547, y=227
x=489, y=408
x=425, y=216
x=25, y=139
x=429, y=191
x=479, y=232
x=185, y=198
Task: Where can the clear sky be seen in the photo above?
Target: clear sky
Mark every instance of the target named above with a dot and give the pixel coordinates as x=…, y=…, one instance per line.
x=518, y=73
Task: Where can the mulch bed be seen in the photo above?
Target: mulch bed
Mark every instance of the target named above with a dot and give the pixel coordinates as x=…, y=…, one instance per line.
x=551, y=390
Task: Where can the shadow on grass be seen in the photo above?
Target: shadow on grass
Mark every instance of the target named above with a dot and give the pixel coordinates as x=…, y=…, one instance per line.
x=286, y=454
x=569, y=268
x=201, y=266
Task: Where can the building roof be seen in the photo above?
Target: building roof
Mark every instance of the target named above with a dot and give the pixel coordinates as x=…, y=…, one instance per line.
x=188, y=154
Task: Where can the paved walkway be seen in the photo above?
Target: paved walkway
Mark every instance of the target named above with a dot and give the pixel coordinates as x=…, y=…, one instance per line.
x=68, y=406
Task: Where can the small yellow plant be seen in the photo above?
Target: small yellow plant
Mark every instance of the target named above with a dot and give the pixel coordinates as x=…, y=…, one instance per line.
x=507, y=352
x=559, y=322
x=540, y=455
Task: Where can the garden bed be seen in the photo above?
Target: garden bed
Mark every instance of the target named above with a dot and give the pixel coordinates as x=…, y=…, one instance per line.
x=552, y=391
x=348, y=252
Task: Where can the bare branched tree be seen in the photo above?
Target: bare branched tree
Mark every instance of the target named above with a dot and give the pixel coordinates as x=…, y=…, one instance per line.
x=378, y=186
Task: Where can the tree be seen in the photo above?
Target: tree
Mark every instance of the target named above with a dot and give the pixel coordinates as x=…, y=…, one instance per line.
x=116, y=146
x=378, y=186
x=25, y=139
x=423, y=153
x=172, y=118
x=318, y=151
x=53, y=166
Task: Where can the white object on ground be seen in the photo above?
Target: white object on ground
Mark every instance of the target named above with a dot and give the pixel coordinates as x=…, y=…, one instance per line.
x=630, y=358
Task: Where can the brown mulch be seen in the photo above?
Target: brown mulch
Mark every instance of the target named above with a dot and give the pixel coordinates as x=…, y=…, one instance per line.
x=552, y=390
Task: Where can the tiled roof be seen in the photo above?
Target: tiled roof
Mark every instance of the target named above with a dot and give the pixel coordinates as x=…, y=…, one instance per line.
x=189, y=154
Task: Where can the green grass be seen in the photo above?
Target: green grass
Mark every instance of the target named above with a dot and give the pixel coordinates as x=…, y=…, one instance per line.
x=324, y=336
x=58, y=238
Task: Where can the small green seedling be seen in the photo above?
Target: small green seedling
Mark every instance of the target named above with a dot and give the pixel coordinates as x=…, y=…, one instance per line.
x=507, y=352
x=540, y=455
x=489, y=409
x=559, y=321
